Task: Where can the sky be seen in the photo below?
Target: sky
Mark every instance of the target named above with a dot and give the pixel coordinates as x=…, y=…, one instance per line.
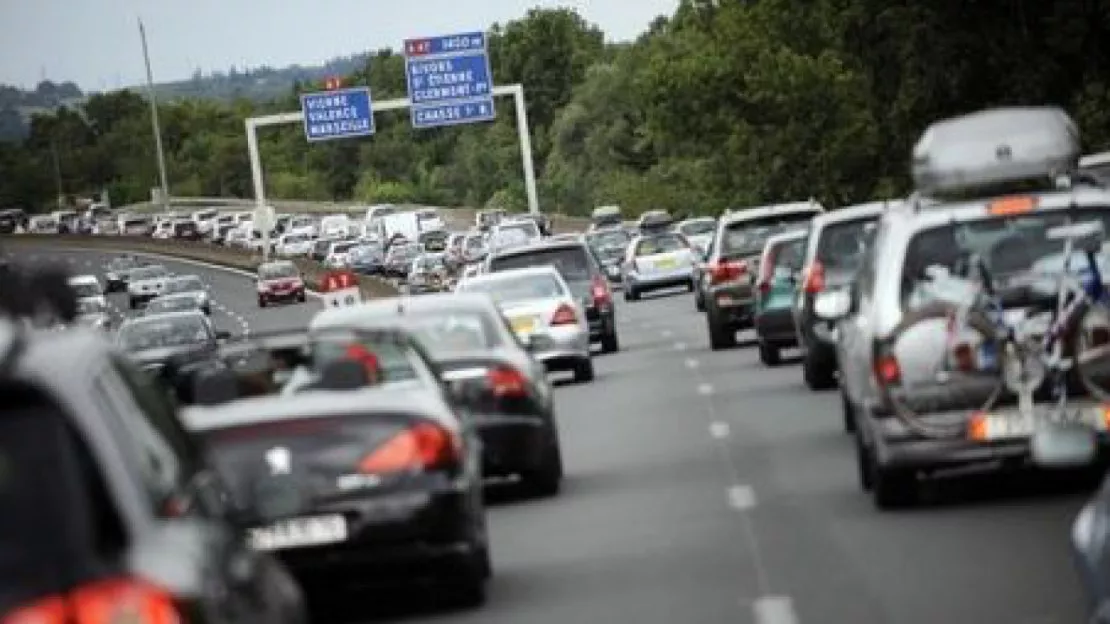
x=95, y=43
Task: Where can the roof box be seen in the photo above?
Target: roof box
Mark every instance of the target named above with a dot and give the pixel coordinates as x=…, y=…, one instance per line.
x=994, y=148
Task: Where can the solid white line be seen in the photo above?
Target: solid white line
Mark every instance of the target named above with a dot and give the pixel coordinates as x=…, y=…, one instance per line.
x=741, y=497
x=719, y=430
x=691, y=363
x=774, y=610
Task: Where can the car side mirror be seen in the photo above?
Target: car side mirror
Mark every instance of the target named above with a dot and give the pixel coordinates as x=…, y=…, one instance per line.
x=833, y=305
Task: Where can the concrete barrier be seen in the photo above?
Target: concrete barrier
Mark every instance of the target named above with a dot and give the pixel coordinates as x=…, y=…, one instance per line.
x=372, y=287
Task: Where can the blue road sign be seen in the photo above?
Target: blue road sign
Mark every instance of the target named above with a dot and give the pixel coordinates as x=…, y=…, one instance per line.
x=339, y=114
x=449, y=80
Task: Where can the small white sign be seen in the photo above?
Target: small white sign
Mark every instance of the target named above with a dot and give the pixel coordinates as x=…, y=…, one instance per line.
x=342, y=298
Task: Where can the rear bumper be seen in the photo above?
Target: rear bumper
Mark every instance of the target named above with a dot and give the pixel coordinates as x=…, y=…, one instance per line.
x=731, y=305
x=776, y=327
x=669, y=279
x=292, y=295
x=512, y=444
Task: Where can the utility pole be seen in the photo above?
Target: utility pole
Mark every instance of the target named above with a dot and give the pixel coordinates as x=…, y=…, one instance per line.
x=154, y=122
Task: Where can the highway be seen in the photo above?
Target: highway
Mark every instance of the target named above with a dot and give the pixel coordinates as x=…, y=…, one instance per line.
x=705, y=488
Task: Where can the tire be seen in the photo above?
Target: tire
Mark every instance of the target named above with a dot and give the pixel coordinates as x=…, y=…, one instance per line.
x=548, y=479
x=816, y=376
x=631, y=294
x=468, y=589
x=769, y=354
x=584, y=371
x=261, y=302
x=132, y=304
x=849, y=412
x=719, y=337
x=699, y=300
x=301, y=297
x=691, y=287
x=892, y=488
x=609, y=342
x=864, y=470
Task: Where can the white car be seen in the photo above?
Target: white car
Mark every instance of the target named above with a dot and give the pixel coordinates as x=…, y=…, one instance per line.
x=164, y=229
x=87, y=287
x=295, y=244
x=654, y=261
x=507, y=234
x=302, y=224
x=146, y=283
x=698, y=231
x=335, y=226
x=339, y=254
x=428, y=220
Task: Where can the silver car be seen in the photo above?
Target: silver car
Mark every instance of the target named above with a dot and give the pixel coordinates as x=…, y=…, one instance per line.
x=657, y=260
x=544, y=314
x=192, y=286
x=145, y=283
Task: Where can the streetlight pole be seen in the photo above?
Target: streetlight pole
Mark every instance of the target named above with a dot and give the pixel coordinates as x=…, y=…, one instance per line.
x=152, y=96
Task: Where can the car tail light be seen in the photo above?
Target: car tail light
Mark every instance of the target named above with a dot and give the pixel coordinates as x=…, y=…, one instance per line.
x=815, y=278
x=600, y=292
x=564, y=315
x=507, y=382
x=767, y=269
x=963, y=357
x=727, y=271
x=102, y=602
x=423, y=446
x=887, y=370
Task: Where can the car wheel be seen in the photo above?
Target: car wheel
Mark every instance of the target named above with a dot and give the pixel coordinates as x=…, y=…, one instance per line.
x=584, y=371
x=301, y=297
x=690, y=287
x=892, y=488
x=699, y=300
x=849, y=412
x=817, y=374
x=864, y=470
x=546, y=480
x=609, y=342
x=468, y=590
x=262, y=302
x=769, y=354
x=207, y=310
x=131, y=303
x=721, y=336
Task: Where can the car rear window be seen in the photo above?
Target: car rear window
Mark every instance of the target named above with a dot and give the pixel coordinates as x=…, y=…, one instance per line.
x=517, y=288
x=663, y=243
x=572, y=261
x=747, y=238
x=789, y=254
x=452, y=331
x=843, y=245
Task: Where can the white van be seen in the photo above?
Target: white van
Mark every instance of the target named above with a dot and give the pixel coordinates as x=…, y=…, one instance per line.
x=335, y=226
x=205, y=219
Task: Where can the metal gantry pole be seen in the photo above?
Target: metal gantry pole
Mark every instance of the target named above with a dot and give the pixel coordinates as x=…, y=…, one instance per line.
x=157, y=127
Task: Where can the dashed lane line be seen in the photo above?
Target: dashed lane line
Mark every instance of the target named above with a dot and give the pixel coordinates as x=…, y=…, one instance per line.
x=774, y=610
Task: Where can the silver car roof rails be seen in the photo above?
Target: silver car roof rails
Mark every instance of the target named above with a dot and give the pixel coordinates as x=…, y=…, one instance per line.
x=990, y=152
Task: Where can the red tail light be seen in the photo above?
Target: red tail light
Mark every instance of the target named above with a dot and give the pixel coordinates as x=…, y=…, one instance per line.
x=727, y=271
x=423, y=446
x=102, y=602
x=767, y=269
x=565, y=315
x=964, y=357
x=815, y=278
x=600, y=292
x=507, y=382
x=887, y=370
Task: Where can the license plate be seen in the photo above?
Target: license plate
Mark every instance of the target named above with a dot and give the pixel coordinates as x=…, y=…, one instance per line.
x=523, y=324
x=299, y=533
x=1014, y=426
x=666, y=263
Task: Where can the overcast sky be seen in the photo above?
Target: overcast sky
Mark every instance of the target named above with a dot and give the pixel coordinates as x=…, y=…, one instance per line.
x=95, y=43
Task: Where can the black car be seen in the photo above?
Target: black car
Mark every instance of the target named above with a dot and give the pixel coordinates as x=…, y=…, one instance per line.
x=361, y=472
x=133, y=524
x=116, y=273
x=9, y=221
x=171, y=345
x=609, y=246
x=582, y=273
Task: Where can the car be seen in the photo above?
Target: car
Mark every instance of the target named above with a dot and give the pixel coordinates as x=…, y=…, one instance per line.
x=486, y=219
x=145, y=283
x=170, y=344
x=544, y=313
x=512, y=233
x=581, y=272
x=428, y=273
x=190, y=285
x=279, y=281
x=606, y=217
x=434, y=241
x=922, y=239
x=428, y=220
x=609, y=247
x=654, y=221
x=399, y=258
x=474, y=248
x=135, y=525
x=338, y=256
x=117, y=273
x=93, y=312
x=728, y=275
x=698, y=232
x=838, y=242
x=87, y=287
x=657, y=259
x=178, y=302
x=509, y=399
x=776, y=295
x=367, y=258
x=293, y=245
x=360, y=471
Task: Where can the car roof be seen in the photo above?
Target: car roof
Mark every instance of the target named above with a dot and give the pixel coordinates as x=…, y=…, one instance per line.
x=757, y=212
x=161, y=316
x=540, y=245
x=858, y=211
x=183, y=295
x=83, y=279
x=695, y=220
x=445, y=302
x=930, y=215
x=786, y=237
x=511, y=273
x=320, y=404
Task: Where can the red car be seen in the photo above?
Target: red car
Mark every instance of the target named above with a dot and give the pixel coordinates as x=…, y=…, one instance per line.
x=279, y=281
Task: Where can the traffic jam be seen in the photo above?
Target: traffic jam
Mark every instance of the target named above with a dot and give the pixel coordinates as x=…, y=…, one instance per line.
x=179, y=457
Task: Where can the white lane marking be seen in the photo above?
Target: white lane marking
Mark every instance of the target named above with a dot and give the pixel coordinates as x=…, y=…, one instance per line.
x=741, y=497
x=774, y=610
x=680, y=346
x=691, y=363
x=705, y=389
x=667, y=333
x=719, y=429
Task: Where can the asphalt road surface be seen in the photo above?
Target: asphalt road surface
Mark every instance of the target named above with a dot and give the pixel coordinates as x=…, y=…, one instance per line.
x=703, y=487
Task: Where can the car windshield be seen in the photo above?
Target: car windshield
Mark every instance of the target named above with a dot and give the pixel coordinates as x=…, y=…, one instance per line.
x=1013, y=249
x=663, y=243
x=747, y=238
x=155, y=333
x=278, y=271
x=453, y=331
x=184, y=284
x=148, y=273
x=843, y=245
x=388, y=361
x=429, y=262
x=365, y=252
x=700, y=227
x=512, y=289
x=609, y=239
x=162, y=305
x=789, y=254
x=91, y=306
x=571, y=262
x=86, y=289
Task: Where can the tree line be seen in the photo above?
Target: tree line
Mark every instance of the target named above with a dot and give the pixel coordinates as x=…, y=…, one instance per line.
x=723, y=104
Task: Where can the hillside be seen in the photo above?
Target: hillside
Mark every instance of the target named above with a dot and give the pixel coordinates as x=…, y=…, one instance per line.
x=259, y=85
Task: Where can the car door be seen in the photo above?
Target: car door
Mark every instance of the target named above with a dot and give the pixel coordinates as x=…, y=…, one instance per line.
x=855, y=330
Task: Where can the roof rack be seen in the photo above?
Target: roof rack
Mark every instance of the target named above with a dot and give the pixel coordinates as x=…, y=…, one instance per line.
x=986, y=151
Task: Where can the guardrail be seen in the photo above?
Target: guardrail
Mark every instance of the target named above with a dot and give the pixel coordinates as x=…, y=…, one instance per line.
x=313, y=272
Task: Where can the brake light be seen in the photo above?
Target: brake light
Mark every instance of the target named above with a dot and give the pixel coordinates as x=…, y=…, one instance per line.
x=1008, y=206
x=727, y=271
x=507, y=382
x=964, y=357
x=767, y=269
x=564, y=315
x=887, y=370
x=599, y=290
x=102, y=602
x=420, y=447
x=815, y=278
